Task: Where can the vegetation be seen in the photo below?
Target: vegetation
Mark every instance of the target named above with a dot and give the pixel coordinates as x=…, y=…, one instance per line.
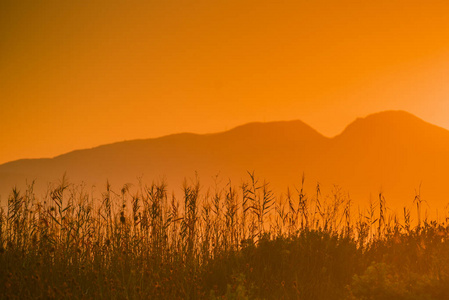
x=229, y=242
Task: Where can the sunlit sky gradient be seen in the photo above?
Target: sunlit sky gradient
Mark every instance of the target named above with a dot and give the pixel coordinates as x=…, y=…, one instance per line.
x=76, y=74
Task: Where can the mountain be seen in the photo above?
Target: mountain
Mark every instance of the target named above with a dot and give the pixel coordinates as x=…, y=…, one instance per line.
x=391, y=152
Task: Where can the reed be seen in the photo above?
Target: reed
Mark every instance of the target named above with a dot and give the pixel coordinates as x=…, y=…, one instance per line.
x=229, y=241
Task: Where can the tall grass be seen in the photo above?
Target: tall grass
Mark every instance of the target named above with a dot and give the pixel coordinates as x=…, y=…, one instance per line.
x=233, y=242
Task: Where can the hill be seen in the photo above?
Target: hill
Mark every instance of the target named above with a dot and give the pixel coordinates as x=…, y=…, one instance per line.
x=392, y=152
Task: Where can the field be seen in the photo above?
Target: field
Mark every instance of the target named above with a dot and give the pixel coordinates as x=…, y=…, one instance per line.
x=223, y=242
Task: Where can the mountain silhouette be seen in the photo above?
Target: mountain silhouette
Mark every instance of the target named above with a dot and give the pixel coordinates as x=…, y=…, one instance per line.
x=392, y=152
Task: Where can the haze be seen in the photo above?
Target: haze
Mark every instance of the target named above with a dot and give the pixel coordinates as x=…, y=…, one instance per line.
x=77, y=74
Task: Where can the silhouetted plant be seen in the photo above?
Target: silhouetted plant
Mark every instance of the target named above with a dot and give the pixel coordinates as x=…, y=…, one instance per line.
x=233, y=242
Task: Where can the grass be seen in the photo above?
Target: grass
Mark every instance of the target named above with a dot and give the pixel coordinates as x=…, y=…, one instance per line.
x=228, y=242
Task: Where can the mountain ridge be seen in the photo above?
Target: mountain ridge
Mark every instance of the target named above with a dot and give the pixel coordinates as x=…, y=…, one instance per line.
x=392, y=150
x=234, y=129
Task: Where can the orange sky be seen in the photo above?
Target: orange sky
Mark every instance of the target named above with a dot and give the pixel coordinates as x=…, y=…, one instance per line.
x=77, y=74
